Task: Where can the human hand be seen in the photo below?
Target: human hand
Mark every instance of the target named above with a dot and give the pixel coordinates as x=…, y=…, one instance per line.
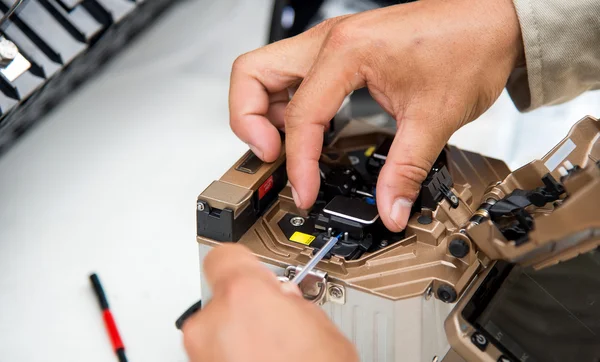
x=254, y=317
x=434, y=65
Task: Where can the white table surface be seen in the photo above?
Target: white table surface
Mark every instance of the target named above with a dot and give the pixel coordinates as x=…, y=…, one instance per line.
x=108, y=182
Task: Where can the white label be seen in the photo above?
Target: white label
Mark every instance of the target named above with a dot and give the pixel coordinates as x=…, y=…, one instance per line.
x=559, y=156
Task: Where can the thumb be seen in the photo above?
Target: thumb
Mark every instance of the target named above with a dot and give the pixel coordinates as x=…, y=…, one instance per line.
x=413, y=152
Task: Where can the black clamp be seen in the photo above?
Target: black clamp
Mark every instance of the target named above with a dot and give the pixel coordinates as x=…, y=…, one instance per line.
x=436, y=187
x=550, y=192
x=449, y=195
x=510, y=213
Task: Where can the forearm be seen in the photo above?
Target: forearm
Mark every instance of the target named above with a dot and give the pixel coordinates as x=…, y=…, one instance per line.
x=561, y=39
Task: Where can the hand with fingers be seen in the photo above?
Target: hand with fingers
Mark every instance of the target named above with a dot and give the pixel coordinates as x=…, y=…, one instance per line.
x=253, y=317
x=434, y=65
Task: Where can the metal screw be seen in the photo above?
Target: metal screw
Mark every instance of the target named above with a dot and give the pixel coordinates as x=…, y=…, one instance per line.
x=297, y=221
x=435, y=359
x=454, y=199
x=383, y=243
x=200, y=207
x=428, y=293
x=336, y=292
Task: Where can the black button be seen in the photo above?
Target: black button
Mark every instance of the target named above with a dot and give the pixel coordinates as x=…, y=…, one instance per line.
x=458, y=248
x=504, y=359
x=251, y=164
x=424, y=220
x=479, y=340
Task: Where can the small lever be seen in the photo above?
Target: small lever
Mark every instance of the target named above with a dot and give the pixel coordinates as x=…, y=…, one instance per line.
x=449, y=195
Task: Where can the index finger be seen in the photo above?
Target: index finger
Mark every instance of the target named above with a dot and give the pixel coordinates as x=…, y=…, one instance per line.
x=265, y=72
x=319, y=97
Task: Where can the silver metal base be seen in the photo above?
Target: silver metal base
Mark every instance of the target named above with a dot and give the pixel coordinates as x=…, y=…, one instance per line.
x=383, y=330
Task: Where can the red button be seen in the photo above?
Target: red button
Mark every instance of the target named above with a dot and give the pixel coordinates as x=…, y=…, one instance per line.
x=265, y=187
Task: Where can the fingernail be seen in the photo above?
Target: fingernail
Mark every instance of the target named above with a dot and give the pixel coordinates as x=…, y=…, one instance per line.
x=295, y=196
x=256, y=151
x=290, y=289
x=400, y=212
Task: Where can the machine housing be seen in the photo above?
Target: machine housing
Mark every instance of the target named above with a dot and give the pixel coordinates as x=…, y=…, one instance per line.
x=403, y=296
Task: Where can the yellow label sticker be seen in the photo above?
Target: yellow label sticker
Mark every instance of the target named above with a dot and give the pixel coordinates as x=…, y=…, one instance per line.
x=302, y=238
x=370, y=151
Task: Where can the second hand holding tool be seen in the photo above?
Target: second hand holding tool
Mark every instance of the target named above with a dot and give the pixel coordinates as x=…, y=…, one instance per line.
x=296, y=280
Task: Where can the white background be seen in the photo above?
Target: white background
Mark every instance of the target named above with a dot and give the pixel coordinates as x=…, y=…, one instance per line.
x=107, y=183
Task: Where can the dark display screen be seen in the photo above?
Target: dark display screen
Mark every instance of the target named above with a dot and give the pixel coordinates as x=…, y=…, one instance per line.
x=547, y=315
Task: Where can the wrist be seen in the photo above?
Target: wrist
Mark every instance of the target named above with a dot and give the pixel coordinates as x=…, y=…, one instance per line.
x=509, y=29
x=517, y=37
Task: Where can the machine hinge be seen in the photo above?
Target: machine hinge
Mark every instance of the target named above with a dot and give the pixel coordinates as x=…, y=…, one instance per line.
x=316, y=286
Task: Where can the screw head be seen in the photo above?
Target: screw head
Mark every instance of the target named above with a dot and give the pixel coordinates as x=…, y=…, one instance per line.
x=297, y=221
x=384, y=243
x=336, y=292
x=446, y=293
x=428, y=293
x=454, y=199
x=200, y=206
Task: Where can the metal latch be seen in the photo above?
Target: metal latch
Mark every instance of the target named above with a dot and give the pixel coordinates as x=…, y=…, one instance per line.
x=316, y=287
